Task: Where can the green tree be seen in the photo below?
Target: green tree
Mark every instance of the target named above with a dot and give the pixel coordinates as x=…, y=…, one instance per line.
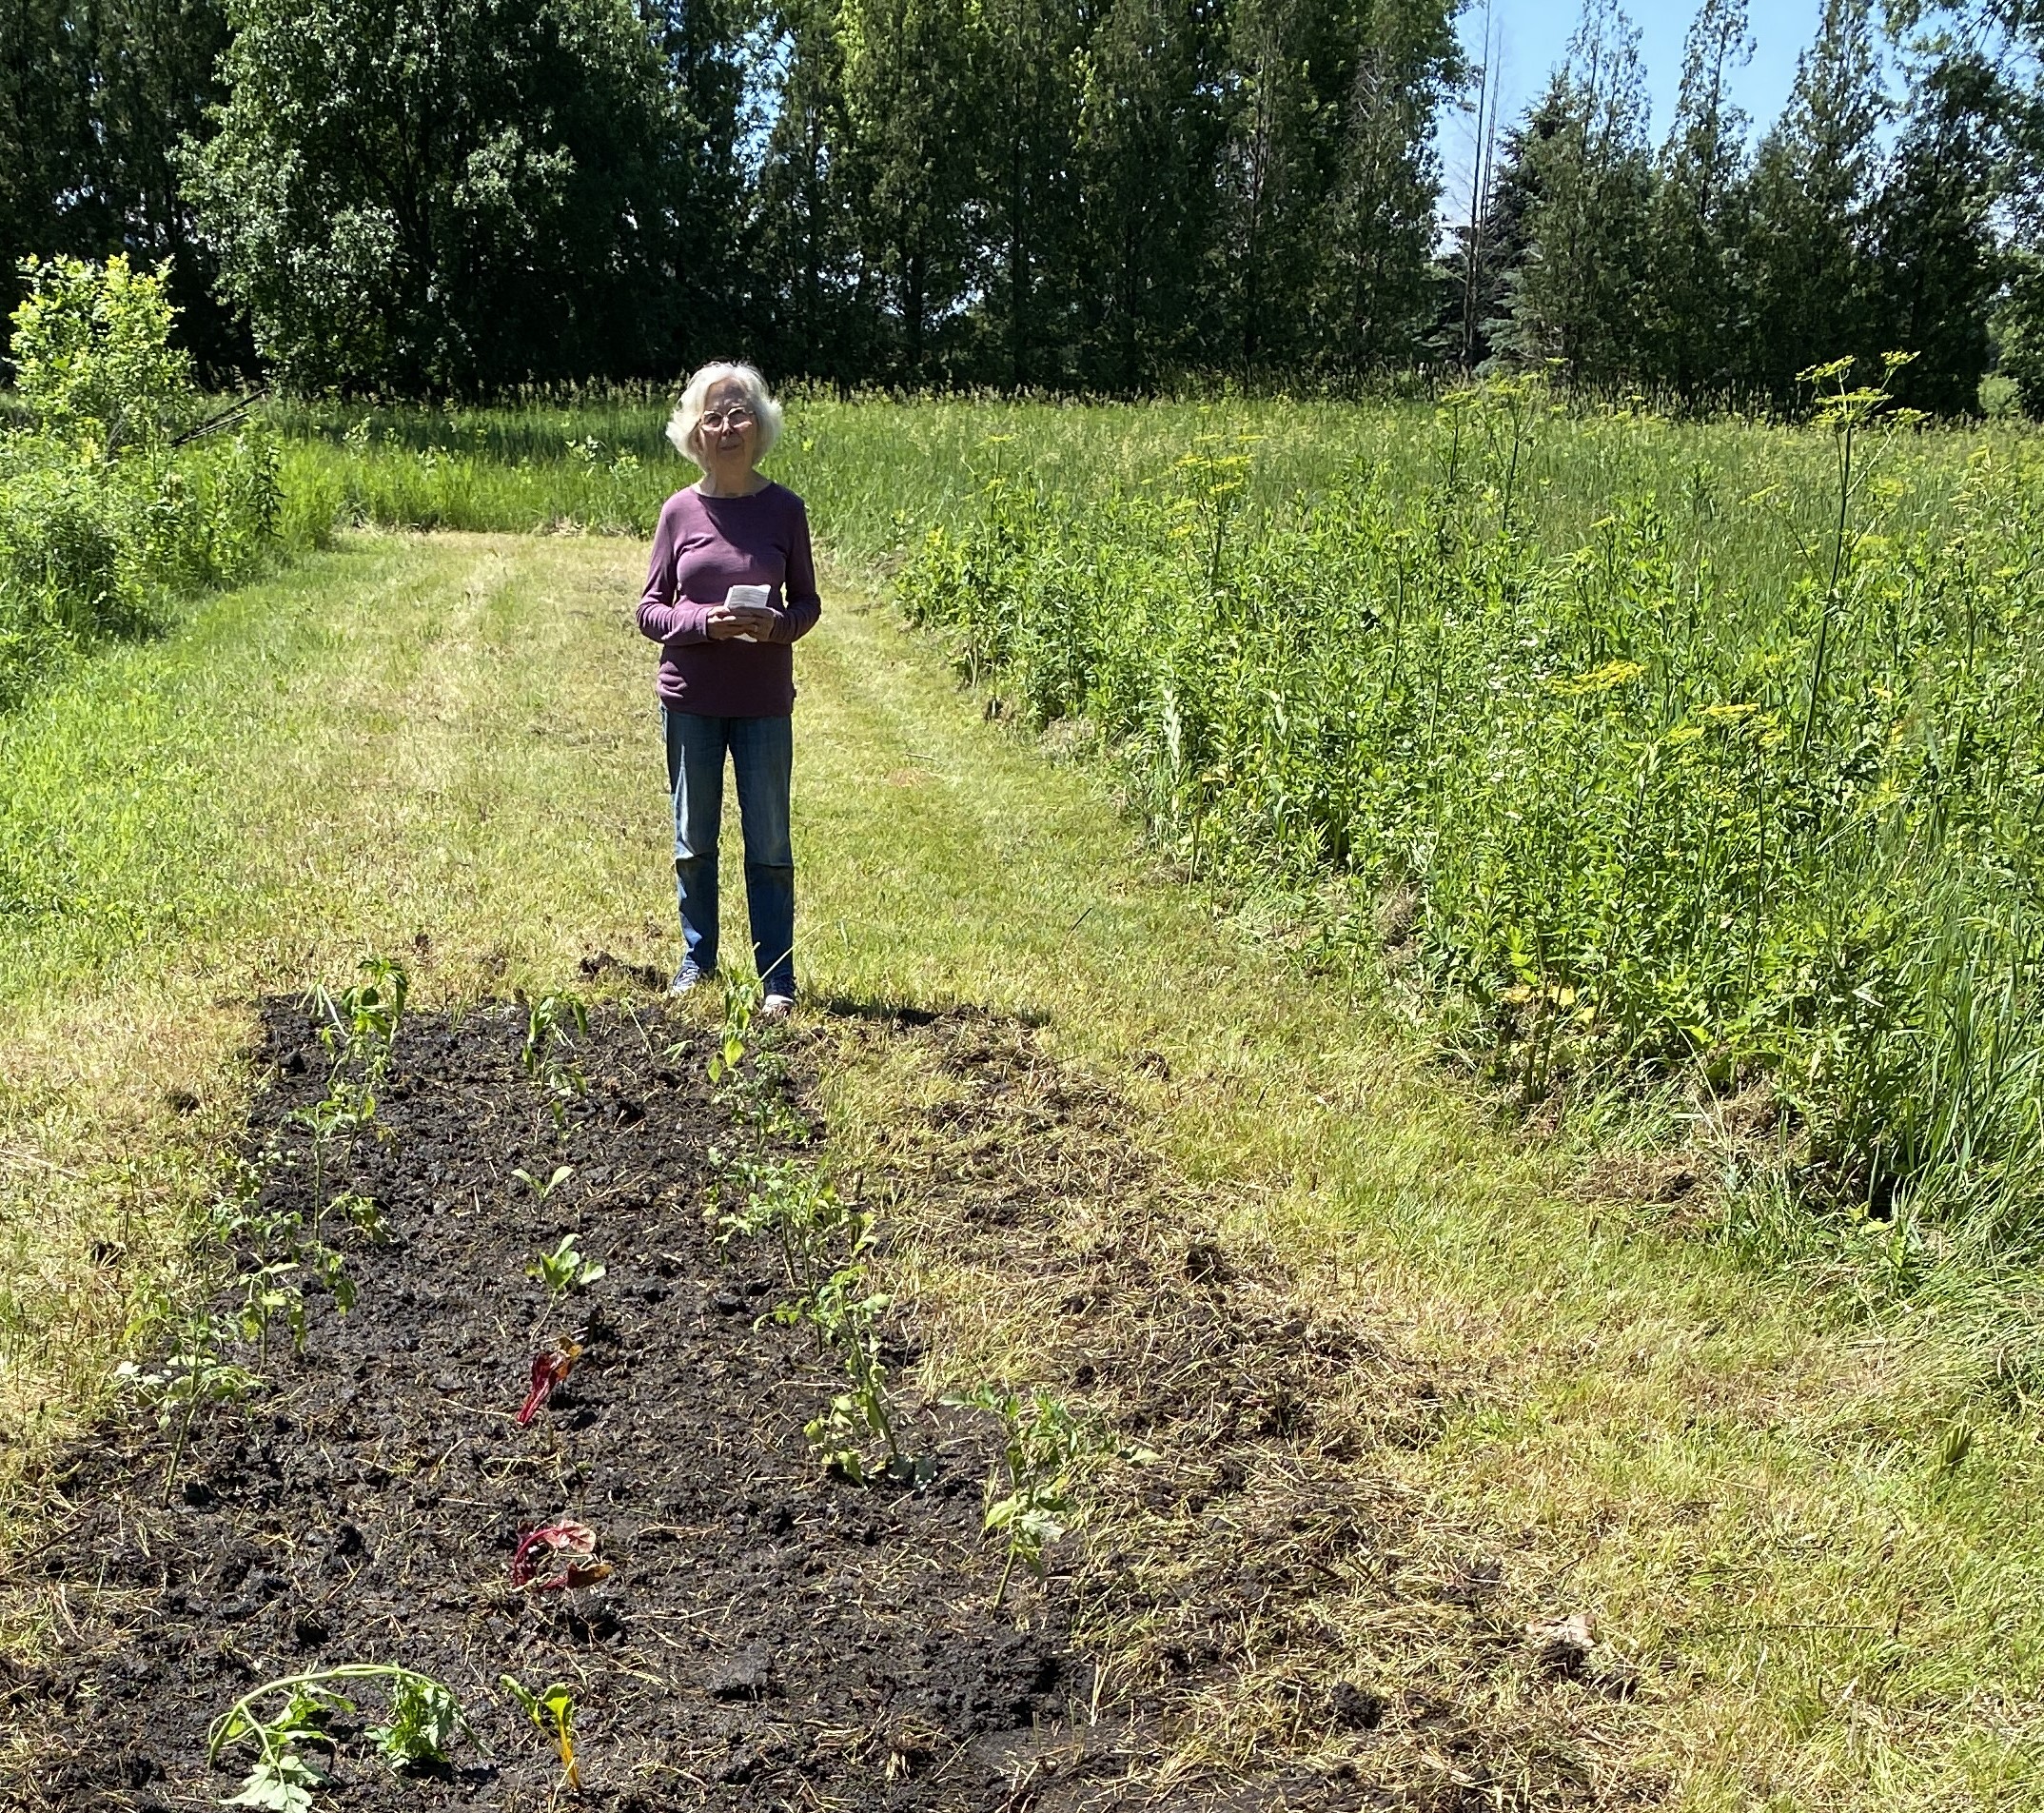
x=92, y=355
x=1152, y=121
x=154, y=77
x=447, y=194
x=1026, y=264
x=1580, y=297
x=1377, y=289
x=1810, y=220
x=45, y=84
x=1937, y=259
x=812, y=303
x=909, y=109
x=1694, y=330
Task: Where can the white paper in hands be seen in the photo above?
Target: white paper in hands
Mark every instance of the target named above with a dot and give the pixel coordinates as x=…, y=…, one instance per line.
x=740, y=595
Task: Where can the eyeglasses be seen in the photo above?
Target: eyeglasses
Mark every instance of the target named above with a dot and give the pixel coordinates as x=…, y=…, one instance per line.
x=718, y=420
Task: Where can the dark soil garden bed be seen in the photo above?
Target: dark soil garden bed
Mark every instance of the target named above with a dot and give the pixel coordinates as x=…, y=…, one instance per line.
x=769, y=1636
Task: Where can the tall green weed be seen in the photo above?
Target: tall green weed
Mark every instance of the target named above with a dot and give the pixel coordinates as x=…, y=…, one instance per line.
x=1639, y=803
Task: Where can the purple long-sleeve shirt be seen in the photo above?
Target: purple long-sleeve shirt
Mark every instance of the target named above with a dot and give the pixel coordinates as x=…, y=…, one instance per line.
x=702, y=549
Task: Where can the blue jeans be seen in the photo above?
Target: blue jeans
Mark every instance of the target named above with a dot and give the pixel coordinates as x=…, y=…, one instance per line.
x=762, y=759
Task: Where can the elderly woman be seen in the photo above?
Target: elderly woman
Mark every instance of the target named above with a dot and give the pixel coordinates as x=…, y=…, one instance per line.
x=730, y=588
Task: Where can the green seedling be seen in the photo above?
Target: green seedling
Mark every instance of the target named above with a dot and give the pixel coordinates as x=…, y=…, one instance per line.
x=1047, y=1449
x=552, y=1025
x=561, y=1174
x=563, y=1270
x=742, y=997
x=425, y=1718
x=360, y=1025
x=806, y=1218
x=552, y=1710
x=194, y=1374
x=285, y=1255
x=846, y=1315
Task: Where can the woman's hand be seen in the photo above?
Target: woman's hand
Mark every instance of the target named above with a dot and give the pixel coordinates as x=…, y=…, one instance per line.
x=726, y=621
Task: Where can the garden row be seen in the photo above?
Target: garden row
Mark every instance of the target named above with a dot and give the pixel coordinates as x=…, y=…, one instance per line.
x=498, y=1421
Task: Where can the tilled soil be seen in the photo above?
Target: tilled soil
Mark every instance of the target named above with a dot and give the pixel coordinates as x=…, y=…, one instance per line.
x=769, y=1636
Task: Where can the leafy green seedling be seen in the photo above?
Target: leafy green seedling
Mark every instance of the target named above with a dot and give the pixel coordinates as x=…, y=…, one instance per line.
x=553, y=1710
x=846, y=1315
x=561, y=1174
x=1047, y=1447
x=563, y=1270
x=425, y=1718
x=742, y=997
x=194, y=1374
x=552, y=1026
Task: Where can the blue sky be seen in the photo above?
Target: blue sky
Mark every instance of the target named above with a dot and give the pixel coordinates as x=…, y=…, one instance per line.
x=1534, y=34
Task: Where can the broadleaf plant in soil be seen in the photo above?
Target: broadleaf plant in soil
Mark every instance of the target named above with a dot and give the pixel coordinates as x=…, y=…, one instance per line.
x=425, y=1720
x=553, y=1710
x=1047, y=1450
x=552, y=1025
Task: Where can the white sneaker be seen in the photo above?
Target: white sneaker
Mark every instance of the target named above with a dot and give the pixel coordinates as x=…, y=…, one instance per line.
x=776, y=1005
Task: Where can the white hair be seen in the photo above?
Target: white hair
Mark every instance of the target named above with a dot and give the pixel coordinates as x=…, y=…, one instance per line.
x=684, y=427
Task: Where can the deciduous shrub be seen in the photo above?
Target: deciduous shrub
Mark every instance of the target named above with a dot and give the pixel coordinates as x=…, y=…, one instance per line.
x=111, y=502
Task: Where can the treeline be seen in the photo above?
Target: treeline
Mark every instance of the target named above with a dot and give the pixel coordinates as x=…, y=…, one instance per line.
x=1717, y=268
x=433, y=196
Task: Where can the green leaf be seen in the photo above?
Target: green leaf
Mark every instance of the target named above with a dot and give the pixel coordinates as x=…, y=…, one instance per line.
x=283, y=1784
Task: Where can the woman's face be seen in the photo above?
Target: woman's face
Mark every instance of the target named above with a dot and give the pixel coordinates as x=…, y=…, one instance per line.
x=728, y=432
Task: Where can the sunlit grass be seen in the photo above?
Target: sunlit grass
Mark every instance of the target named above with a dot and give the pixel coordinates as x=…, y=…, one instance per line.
x=444, y=749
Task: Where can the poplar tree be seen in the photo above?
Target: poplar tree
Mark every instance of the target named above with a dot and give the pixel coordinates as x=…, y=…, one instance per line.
x=1937, y=259
x=812, y=302
x=1152, y=120
x=44, y=78
x=1694, y=317
x=1376, y=288
x=1028, y=204
x=910, y=108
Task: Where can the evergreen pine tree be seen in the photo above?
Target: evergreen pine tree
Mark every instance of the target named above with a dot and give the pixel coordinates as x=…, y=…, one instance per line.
x=1810, y=225
x=1579, y=297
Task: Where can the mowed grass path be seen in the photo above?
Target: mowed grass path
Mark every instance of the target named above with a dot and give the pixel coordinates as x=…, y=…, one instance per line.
x=446, y=749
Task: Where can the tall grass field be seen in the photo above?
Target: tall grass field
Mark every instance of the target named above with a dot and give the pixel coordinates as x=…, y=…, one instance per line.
x=1657, y=756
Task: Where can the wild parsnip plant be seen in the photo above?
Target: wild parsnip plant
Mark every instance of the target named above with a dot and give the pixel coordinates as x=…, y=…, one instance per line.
x=1633, y=801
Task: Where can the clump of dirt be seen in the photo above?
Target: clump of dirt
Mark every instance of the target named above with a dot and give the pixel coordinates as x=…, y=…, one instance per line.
x=1265, y=1597
x=767, y=1637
